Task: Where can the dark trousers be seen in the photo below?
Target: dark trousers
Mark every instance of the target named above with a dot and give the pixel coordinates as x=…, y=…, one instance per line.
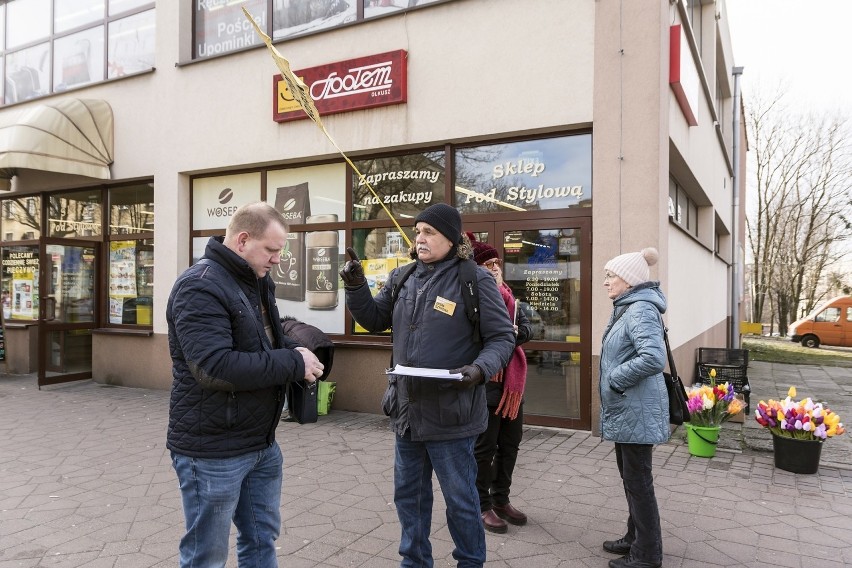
x=496, y=453
x=643, y=522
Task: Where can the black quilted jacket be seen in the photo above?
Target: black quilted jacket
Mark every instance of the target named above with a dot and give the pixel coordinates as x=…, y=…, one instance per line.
x=227, y=390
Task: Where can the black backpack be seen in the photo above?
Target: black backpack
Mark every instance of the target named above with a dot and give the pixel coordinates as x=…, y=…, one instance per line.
x=470, y=291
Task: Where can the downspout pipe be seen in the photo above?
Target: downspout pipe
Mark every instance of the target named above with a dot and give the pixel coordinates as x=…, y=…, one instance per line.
x=735, y=214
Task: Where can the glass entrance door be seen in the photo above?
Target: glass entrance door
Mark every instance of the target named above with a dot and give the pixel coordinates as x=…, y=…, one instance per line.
x=547, y=265
x=68, y=311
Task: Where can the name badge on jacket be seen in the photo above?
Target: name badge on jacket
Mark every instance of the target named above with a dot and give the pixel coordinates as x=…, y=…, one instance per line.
x=445, y=306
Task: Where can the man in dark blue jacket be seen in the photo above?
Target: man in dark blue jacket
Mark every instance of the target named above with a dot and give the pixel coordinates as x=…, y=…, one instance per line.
x=231, y=363
x=436, y=421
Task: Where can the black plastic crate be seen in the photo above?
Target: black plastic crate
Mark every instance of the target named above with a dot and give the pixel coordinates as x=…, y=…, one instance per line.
x=737, y=375
x=722, y=356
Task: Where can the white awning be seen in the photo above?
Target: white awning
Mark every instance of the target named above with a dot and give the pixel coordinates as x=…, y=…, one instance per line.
x=71, y=136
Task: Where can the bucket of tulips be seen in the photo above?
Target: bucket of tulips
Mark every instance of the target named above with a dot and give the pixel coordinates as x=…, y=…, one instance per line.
x=799, y=428
x=709, y=407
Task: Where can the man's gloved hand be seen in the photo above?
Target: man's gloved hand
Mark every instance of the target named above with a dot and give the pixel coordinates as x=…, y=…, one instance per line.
x=472, y=376
x=352, y=273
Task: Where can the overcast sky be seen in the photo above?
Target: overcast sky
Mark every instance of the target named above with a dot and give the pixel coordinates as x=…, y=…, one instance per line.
x=804, y=43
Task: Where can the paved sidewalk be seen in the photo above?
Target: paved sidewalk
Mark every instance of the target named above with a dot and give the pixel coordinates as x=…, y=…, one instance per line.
x=86, y=481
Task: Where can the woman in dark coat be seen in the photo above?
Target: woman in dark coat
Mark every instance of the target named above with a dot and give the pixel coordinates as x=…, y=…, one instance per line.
x=497, y=448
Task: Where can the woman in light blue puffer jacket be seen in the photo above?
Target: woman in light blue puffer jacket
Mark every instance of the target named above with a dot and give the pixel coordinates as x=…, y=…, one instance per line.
x=634, y=403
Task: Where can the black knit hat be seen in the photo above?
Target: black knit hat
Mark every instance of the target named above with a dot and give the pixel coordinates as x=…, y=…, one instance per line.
x=445, y=219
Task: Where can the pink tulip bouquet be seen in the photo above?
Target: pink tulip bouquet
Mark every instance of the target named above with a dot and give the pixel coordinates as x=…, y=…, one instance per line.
x=711, y=405
x=803, y=419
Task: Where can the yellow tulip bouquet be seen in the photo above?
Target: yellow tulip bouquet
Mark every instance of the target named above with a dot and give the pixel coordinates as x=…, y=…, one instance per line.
x=711, y=405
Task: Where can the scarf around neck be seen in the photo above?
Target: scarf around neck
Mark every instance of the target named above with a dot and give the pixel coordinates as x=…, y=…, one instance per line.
x=514, y=376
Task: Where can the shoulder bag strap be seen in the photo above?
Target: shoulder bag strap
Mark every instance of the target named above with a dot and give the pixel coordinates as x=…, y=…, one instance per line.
x=668, y=349
x=222, y=271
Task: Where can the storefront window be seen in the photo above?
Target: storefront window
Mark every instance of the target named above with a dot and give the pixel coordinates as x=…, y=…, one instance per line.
x=77, y=214
x=131, y=209
x=295, y=18
x=27, y=72
x=20, y=273
x=314, y=190
x=405, y=185
x=79, y=59
x=118, y=6
x=552, y=173
x=216, y=199
x=221, y=27
x=542, y=267
x=69, y=14
x=380, y=251
x=76, y=34
x=553, y=384
x=130, y=282
x=131, y=44
x=32, y=12
x=21, y=218
x=375, y=8
x=307, y=280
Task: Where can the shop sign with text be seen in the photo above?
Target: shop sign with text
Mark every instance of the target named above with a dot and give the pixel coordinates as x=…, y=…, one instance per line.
x=365, y=82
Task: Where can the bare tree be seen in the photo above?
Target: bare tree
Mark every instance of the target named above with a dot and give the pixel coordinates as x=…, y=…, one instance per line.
x=800, y=207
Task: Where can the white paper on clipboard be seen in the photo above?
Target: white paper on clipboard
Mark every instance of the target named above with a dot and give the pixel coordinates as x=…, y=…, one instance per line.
x=424, y=373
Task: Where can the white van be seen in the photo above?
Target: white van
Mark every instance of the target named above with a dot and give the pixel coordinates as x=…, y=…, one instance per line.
x=829, y=324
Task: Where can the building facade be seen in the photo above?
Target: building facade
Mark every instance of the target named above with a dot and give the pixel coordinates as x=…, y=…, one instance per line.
x=565, y=131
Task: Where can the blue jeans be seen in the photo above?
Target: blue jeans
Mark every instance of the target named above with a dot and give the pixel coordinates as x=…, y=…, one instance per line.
x=244, y=489
x=455, y=466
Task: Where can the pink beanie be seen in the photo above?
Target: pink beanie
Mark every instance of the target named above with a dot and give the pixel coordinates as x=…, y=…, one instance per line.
x=632, y=267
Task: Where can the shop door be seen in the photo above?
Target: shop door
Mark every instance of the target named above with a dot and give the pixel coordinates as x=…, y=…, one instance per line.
x=547, y=265
x=67, y=311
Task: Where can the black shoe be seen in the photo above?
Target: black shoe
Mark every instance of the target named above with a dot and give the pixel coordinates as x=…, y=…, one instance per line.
x=620, y=546
x=508, y=513
x=493, y=523
x=630, y=562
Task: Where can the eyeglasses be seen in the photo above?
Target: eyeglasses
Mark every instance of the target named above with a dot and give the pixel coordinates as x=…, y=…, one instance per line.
x=609, y=276
x=489, y=264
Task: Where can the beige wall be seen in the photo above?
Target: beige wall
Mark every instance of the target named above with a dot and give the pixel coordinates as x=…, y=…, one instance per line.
x=132, y=360
x=360, y=378
x=21, y=349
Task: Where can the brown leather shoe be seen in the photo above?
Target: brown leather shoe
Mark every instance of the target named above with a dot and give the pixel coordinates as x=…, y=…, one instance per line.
x=511, y=514
x=493, y=523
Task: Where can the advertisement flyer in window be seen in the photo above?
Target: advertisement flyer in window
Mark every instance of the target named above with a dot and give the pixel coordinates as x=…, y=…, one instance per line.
x=122, y=277
x=23, y=305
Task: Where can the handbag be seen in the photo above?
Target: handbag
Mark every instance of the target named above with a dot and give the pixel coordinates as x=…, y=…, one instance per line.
x=678, y=410
x=302, y=399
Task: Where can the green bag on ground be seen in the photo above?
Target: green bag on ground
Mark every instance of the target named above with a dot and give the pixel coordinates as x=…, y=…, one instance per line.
x=325, y=393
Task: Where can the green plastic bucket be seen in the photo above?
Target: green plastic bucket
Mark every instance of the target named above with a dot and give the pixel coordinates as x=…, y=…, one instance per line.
x=702, y=440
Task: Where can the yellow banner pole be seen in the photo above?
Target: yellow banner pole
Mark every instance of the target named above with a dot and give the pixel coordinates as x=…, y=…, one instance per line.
x=300, y=93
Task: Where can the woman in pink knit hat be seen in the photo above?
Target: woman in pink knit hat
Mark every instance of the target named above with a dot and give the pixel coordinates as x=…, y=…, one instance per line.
x=497, y=448
x=634, y=402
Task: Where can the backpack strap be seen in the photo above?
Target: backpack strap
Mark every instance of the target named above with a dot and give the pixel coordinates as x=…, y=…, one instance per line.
x=470, y=293
x=402, y=275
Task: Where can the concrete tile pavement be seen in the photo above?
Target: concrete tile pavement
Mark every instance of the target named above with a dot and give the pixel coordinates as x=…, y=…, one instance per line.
x=85, y=480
